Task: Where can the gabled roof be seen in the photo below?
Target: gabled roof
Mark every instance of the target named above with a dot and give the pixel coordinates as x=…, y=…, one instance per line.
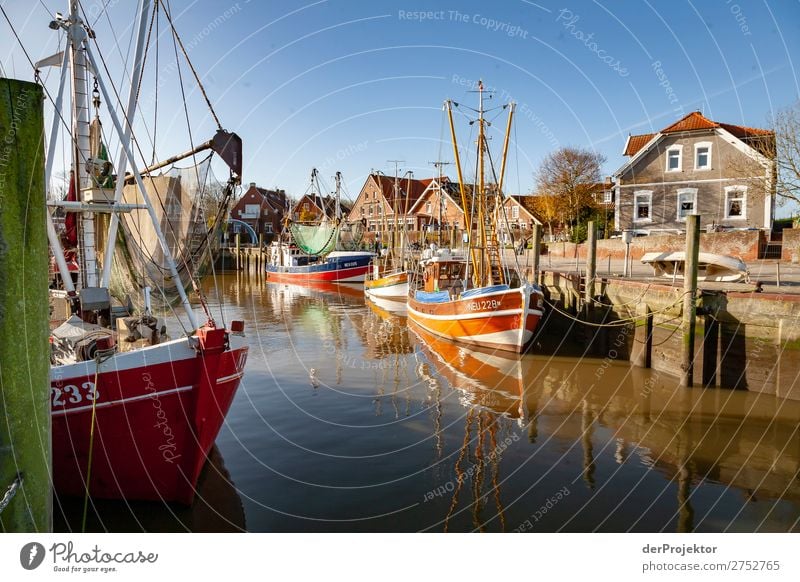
x=636, y=142
x=275, y=200
x=451, y=190
x=520, y=201
x=696, y=121
x=403, y=199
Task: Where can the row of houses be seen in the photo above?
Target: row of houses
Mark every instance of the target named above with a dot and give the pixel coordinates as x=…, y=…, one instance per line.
x=427, y=206
x=724, y=172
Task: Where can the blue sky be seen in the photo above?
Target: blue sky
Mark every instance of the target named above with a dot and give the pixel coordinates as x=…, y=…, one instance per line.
x=346, y=85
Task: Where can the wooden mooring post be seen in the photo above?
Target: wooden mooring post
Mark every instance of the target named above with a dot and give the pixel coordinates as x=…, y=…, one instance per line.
x=260, y=254
x=537, y=249
x=689, y=298
x=591, y=264
x=25, y=464
x=238, y=252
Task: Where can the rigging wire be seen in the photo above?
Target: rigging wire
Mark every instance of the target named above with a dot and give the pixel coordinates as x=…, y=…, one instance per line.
x=185, y=107
x=182, y=258
x=120, y=105
x=102, y=11
x=156, y=83
x=189, y=62
x=37, y=75
x=63, y=121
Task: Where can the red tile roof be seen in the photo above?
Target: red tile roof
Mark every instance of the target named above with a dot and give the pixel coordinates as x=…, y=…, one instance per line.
x=417, y=187
x=696, y=121
x=743, y=132
x=637, y=142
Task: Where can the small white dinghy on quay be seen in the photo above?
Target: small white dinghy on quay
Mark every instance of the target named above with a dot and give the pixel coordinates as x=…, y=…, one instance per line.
x=711, y=266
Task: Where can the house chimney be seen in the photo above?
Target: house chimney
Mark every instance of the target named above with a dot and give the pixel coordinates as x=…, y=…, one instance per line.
x=252, y=184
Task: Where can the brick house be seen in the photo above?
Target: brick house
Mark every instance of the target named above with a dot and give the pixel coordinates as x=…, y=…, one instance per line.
x=520, y=220
x=262, y=209
x=439, y=204
x=724, y=172
x=377, y=202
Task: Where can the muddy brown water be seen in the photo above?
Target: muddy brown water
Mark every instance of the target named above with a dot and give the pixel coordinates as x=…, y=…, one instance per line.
x=350, y=419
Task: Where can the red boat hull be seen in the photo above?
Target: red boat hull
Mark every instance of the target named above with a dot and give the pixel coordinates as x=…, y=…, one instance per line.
x=351, y=275
x=157, y=412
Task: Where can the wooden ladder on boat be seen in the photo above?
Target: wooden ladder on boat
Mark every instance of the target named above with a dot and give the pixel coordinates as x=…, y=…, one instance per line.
x=495, y=261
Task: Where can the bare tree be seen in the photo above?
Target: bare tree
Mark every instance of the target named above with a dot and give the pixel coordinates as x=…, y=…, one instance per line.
x=570, y=175
x=787, y=145
x=213, y=198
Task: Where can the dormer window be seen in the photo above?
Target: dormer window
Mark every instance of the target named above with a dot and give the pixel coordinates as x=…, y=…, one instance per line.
x=702, y=156
x=674, y=158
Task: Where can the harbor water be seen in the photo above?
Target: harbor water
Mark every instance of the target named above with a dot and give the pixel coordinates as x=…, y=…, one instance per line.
x=350, y=419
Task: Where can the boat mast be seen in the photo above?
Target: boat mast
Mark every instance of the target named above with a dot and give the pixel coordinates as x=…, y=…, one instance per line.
x=404, y=231
x=138, y=64
x=467, y=219
x=481, y=194
x=439, y=166
x=511, y=108
x=338, y=207
x=395, y=208
x=52, y=235
x=76, y=34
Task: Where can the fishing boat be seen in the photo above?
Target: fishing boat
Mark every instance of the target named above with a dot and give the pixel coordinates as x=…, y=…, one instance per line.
x=308, y=252
x=386, y=285
x=134, y=413
x=710, y=266
x=476, y=299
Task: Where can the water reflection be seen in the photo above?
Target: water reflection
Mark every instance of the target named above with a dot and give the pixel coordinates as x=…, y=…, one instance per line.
x=350, y=419
x=217, y=508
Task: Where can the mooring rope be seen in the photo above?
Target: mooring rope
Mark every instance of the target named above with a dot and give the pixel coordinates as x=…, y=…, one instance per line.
x=619, y=322
x=100, y=357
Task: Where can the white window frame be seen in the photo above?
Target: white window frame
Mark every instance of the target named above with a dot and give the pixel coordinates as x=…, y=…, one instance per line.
x=681, y=192
x=428, y=207
x=636, y=195
x=251, y=211
x=742, y=190
x=697, y=146
x=675, y=148
x=607, y=197
x=515, y=212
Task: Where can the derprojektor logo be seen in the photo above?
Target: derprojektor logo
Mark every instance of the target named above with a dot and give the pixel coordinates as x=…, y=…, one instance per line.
x=31, y=555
